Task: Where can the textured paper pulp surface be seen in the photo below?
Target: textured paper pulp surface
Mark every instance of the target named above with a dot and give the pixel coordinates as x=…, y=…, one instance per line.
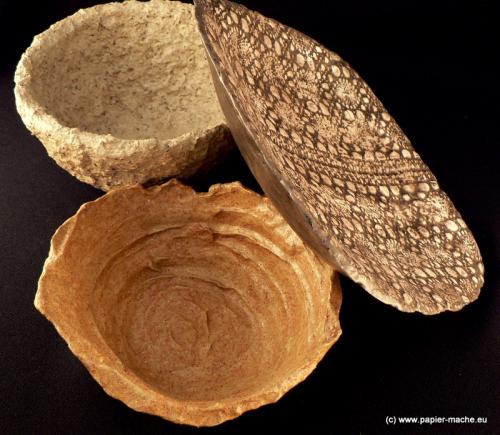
x=121, y=93
x=194, y=307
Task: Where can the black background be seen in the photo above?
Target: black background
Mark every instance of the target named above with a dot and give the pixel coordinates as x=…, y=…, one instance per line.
x=431, y=63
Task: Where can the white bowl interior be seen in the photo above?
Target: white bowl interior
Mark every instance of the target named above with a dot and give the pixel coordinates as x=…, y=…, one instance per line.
x=134, y=70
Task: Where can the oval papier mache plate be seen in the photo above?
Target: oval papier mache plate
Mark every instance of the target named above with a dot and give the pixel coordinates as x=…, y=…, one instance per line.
x=336, y=164
x=194, y=307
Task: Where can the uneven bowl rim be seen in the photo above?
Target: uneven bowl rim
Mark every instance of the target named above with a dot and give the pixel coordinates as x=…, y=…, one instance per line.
x=121, y=381
x=40, y=122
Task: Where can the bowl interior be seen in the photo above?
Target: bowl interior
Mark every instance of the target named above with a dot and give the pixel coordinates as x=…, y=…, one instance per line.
x=214, y=310
x=208, y=297
x=134, y=70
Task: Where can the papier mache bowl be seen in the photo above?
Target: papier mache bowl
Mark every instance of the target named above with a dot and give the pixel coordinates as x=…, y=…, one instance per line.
x=121, y=93
x=195, y=307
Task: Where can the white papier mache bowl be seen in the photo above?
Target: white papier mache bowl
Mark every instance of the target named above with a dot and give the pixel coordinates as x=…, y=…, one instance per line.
x=121, y=93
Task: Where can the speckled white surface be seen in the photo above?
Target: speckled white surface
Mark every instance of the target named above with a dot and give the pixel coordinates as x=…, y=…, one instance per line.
x=121, y=93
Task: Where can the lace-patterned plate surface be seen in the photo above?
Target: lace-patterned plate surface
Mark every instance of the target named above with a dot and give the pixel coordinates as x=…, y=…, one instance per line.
x=336, y=164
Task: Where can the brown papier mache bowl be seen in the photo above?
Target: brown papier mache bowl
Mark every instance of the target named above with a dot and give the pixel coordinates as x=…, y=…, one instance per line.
x=192, y=306
x=336, y=164
x=121, y=94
